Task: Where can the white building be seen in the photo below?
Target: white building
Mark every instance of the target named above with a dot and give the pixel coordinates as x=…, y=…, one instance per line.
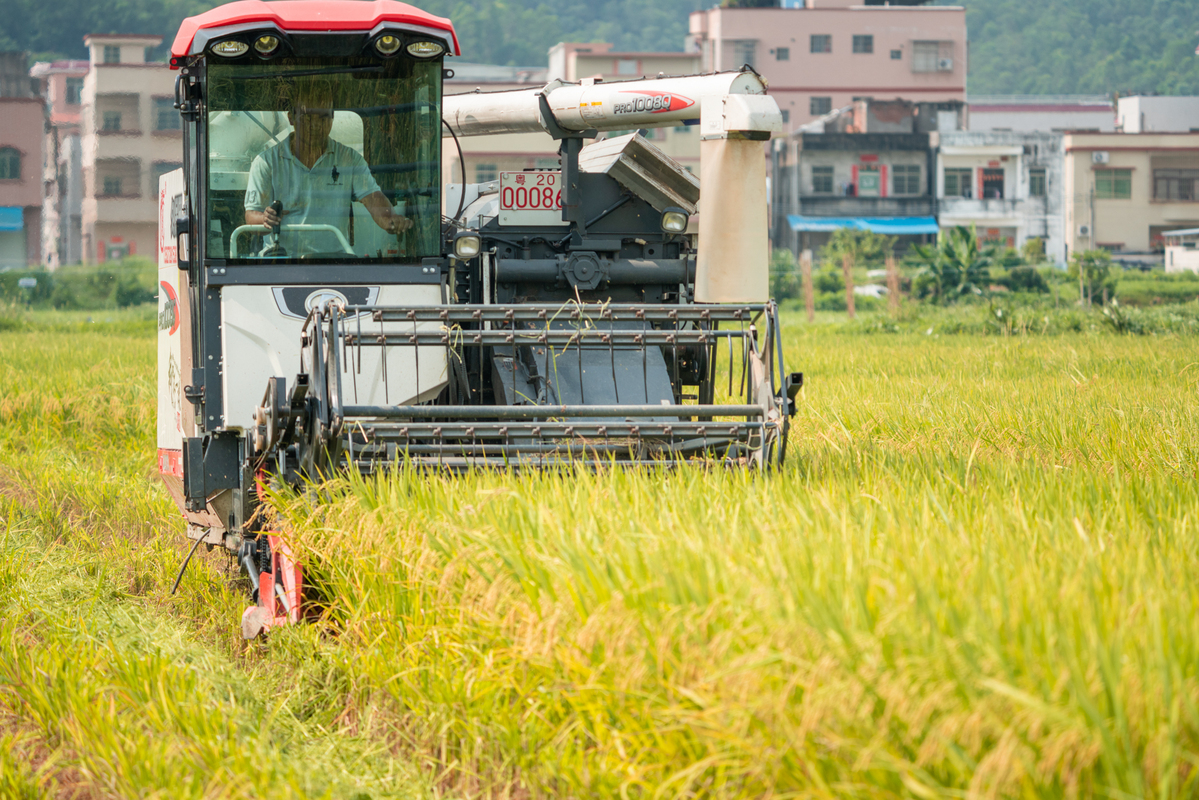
x=1009, y=186
x=1158, y=114
x=1042, y=113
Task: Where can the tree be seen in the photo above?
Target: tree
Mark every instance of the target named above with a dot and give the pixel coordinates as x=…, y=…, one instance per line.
x=1033, y=250
x=868, y=249
x=957, y=265
x=784, y=275
x=1092, y=269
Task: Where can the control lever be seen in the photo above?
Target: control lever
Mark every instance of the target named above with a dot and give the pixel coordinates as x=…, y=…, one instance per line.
x=277, y=250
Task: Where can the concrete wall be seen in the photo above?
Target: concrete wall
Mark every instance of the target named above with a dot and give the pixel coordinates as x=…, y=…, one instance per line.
x=23, y=128
x=1031, y=114
x=1125, y=224
x=721, y=35
x=1158, y=114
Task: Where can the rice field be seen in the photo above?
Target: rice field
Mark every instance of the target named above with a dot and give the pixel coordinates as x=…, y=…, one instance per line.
x=974, y=578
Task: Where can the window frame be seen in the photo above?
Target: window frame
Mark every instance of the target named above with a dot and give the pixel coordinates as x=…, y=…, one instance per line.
x=863, y=44
x=166, y=105
x=957, y=174
x=1174, y=184
x=1113, y=177
x=825, y=171
x=1038, y=175
x=111, y=54
x=115, y=181
x=910, y=175
x=825, y=40
x=813, y=102
x=105, y=116
x=9, y=155
x=73, y=83
x=782, y=54
x=481, y=169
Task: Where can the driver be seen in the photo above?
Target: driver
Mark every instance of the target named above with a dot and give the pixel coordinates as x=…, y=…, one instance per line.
x=315, y=178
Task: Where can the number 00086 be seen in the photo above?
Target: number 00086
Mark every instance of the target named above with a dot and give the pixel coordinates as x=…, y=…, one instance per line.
x=540, y=191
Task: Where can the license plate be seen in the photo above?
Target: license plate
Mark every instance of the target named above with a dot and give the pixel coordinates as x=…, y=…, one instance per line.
x=531, y=198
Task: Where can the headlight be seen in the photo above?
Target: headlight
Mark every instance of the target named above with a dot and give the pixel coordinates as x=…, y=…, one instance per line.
x=674, y=220
x=230, y=48
x=265, y=45
x=467, y=244
x=425, y=49
x=387, y=45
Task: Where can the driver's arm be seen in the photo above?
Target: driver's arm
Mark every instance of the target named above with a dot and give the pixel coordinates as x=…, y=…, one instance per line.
x=381, y=212
x=258, y=199
x=267, y=217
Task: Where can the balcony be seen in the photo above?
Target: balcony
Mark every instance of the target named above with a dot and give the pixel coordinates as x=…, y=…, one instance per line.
x=842, y=206
x=990, y=208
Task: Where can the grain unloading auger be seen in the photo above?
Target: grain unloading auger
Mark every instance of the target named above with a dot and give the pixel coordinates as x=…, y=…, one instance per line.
x=320, y=311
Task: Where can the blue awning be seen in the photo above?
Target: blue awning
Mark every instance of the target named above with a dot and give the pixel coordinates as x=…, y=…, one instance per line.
x=891, y=225
x=12, y=218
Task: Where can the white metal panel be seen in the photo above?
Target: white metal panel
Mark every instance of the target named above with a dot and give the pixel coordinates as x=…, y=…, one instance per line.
x=259, y=341
x=170, y=328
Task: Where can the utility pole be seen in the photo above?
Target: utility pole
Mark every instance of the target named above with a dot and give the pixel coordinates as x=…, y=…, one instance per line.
x=847, y=269
x=809, y=295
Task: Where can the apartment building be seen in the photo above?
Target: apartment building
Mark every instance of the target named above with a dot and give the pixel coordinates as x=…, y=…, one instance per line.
x=130, y=135
x=1123, y=191
x=1042, y=113
x=61, y=85
x=1140, y=114
x=1009, y=186
x=868, y=166
x=820, y=55
x=23, y=115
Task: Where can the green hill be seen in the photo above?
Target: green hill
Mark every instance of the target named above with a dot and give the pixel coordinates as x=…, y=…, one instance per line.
x=1017, y=46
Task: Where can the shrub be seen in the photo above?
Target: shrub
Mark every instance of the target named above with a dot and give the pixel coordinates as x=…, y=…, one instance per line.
x=784, y=275
x=1026, y=279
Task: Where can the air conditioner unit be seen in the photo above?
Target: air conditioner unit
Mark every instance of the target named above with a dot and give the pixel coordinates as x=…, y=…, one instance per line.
x=1099, y=157
x=1084, y=231
x=945, y=65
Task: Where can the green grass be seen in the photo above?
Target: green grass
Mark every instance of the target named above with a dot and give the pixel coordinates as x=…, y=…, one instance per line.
x=974, y=578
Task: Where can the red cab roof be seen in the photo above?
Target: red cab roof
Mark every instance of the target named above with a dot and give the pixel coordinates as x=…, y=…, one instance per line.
x=311, y=15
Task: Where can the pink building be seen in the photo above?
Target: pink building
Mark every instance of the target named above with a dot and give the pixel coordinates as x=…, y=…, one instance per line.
x=821, y=55
x=24, y=121
x=62, y=206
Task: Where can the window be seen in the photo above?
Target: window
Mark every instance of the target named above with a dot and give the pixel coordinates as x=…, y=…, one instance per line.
x=112, y=186
x=1036, y=182
x=166, y=118
x=486, y=173
x=74, y=91
x=112, y=54
x=682, y=129
x=1175, y=184
x=743, y=53
x=626, y=66
x=786, y=115
x=10, y=164
x=958, y=183
x=896, y=55
x=148, y=55
x=822, y=180
x=158, y=169
x=1113, y=184
x=932, y=56
x=905, y=179
x=822, y=43
x=111, y=121
x=819, y=106
x=863, y=44
x=782, y=54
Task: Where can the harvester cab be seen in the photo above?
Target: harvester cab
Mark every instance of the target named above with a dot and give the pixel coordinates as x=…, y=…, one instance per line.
x=329, y=302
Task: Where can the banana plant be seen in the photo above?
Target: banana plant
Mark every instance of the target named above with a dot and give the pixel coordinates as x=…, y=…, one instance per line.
x=958, y=264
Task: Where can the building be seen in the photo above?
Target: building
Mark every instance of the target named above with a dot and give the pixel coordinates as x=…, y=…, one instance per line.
x=823, y=54
x=130, y=135
x=1007, y=185
x=867, y=166
x=1157, y=114
x=21, y=137
x=62, y=204
x=1042, y=113
x=1124, y=191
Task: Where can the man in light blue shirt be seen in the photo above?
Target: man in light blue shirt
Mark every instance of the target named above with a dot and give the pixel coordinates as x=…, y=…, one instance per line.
x=315, y=179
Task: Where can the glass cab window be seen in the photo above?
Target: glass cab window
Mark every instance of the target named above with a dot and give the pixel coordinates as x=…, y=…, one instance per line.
x=344, y=150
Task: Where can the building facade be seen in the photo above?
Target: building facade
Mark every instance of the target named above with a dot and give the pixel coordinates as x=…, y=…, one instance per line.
x=61, y=85
x=21, y=140
x=130, y=135
x=1124, y=191
x=1138, y=114
x=1009, y=186
x=1042, y=113
x=824, y=54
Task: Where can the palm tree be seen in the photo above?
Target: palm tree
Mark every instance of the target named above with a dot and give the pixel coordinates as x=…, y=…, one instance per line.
x=958, y=264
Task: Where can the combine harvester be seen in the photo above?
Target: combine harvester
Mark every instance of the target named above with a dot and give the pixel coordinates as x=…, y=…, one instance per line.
x=327, y=304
